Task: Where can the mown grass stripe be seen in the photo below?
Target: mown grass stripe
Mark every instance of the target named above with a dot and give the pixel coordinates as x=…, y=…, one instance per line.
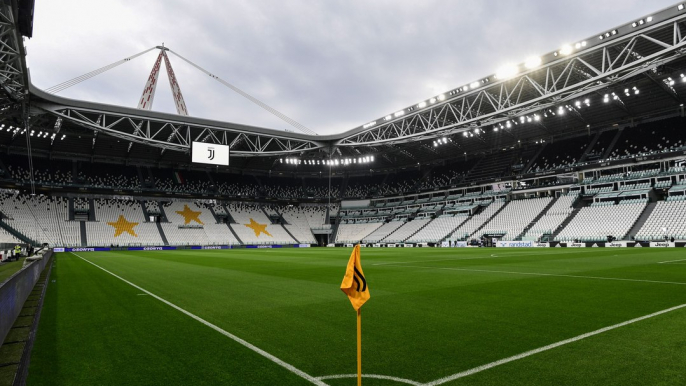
x=238, y=340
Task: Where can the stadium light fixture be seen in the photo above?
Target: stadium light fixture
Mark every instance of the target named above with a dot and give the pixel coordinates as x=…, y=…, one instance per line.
x=464, y=133
x=532, y=62
x=421, y=105
x=432, y=100
x=388, y=117
x=495, y=128
x=474, y=85
x=680, y=7
x=399, y=113
x=566, y=49
x=507, y=71
x=441, y=97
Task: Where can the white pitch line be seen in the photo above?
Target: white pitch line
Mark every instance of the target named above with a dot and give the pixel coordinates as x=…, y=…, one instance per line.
x=374, y=376
x=432, y=261
x=671, y=261
x=242, y=342
x=546, y=348
x=546, y=274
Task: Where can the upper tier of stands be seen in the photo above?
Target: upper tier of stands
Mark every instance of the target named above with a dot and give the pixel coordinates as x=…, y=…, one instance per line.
x=551, y=154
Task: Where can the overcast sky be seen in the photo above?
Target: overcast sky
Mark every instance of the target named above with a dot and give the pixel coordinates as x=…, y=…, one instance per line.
x=330, y=65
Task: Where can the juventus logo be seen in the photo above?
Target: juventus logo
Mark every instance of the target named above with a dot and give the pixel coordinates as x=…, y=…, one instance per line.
x=357, y=277
x=211, y=156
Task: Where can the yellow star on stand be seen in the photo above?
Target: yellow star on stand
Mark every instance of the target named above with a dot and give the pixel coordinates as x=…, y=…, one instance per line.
x=258, y=228
x=190, y=215
x=123, y=225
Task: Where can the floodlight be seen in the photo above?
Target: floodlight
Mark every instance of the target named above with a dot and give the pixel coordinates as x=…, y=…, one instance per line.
x=507, y=71
x=465, y=134
x=432, y=100
x=399, y=113
x=649, y=19
x=532, y=62
x=508, y=125
x=474, y=85
x=421, y=105
x=634, y=24
x=388, y=117
x=680, y=7
x=537, y=117
x=495, y=129
x=441, y=97
x=566, y=49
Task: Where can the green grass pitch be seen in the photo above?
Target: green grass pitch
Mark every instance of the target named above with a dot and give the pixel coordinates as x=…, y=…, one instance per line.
x=433, y=313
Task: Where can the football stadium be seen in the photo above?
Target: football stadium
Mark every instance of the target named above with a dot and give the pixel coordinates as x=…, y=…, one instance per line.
x=524, y=228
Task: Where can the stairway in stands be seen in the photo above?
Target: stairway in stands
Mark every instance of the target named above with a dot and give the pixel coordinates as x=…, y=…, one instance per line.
x=535, y=220
x=578, y=205
x=641, y=220
x=15, y=232
x=84, y=237
x=489, y=219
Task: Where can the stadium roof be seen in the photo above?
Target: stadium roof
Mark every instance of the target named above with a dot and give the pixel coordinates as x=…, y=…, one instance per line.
x=617, y=77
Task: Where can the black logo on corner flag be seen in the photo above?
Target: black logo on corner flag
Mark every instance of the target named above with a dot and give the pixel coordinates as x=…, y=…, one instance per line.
x=211, y=156
x=357, y=277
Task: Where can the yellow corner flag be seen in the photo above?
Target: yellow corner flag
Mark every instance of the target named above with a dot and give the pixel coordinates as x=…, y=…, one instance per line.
x=354, y=284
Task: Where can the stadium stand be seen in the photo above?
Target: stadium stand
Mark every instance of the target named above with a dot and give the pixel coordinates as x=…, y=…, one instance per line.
x=437, y=229
x=650, y=138
x=354, y=233
x=190, y=224
x=6, y=237
x=121, y=223
x=596, y=222
x=407, y=230
x=666, y=221
x=383, y=231
x=254, y=227
x=42, y=219
x=477, y=221
x=553, y=218
x=514, y=217
x=560, y=154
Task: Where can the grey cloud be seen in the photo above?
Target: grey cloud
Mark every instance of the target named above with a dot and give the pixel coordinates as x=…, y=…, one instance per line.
x=331, y=65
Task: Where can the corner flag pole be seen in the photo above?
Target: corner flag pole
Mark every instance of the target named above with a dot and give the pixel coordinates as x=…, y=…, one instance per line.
x=359, y=347
x=355, y=286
